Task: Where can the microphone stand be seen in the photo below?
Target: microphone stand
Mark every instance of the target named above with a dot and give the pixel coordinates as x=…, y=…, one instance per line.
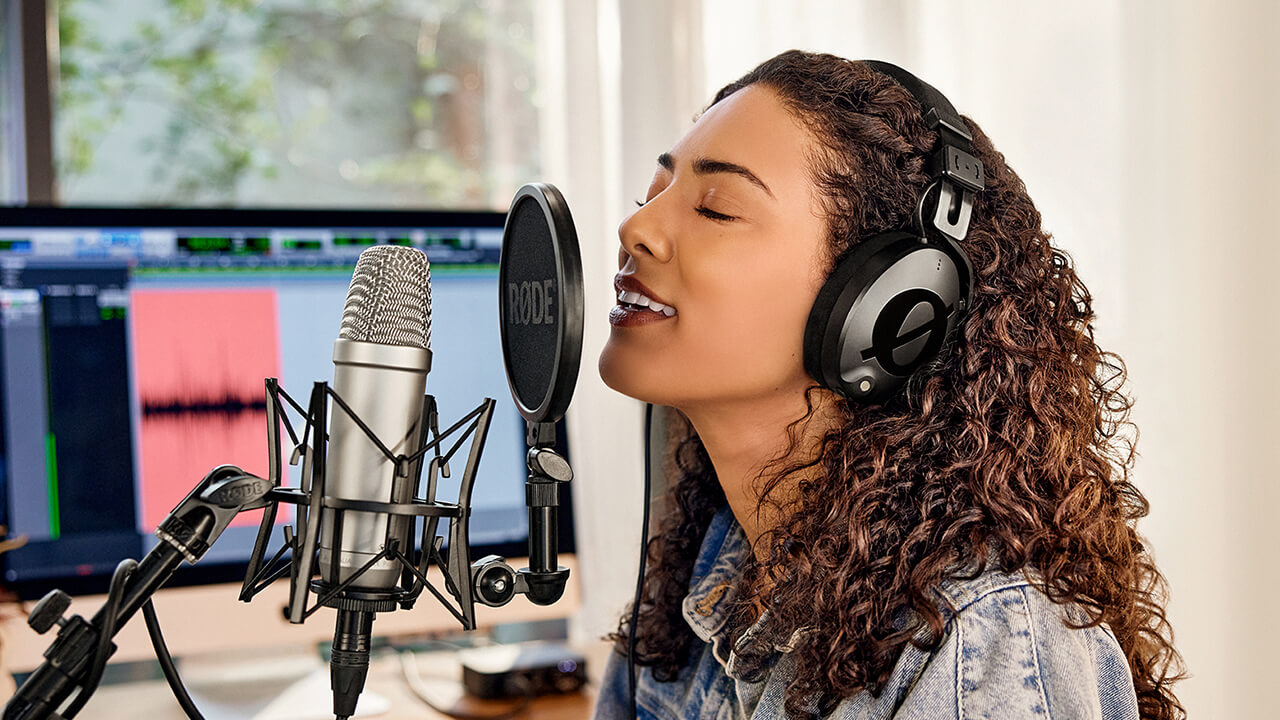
x=81, y=648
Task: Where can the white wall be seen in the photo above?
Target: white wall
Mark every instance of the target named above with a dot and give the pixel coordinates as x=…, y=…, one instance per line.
x=1201, y=116
x=1145, y=132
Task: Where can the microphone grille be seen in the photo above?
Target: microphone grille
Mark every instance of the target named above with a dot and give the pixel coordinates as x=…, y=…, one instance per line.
x=389, y=301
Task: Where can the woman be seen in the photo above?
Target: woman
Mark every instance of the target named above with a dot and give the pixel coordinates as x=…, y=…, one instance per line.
x=963, y=547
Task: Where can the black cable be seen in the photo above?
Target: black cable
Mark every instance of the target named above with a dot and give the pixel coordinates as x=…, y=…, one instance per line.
x=166, y=662
x=644, y=542
x=111, y=609
x=409, y=665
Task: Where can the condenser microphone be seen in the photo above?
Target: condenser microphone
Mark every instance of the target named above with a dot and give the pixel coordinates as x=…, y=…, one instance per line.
x=381, y=360
x=380, y=365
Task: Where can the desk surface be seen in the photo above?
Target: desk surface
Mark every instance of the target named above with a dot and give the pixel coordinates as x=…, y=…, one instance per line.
x=309, y=698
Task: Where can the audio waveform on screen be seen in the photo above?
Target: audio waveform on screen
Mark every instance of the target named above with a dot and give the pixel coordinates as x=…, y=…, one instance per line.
x=200, y=357
x=227, y=406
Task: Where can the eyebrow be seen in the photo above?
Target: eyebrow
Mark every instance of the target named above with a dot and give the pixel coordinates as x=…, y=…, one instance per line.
x=708, y=166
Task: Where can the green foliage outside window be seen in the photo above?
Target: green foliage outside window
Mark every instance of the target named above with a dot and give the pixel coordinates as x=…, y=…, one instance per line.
x=340, y=102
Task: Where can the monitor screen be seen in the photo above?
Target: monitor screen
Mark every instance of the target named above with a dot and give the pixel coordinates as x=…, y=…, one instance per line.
x=133, y=348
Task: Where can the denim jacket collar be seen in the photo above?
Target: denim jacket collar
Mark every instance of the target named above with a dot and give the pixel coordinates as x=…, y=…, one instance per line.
x=713, y=588
x=713, y=585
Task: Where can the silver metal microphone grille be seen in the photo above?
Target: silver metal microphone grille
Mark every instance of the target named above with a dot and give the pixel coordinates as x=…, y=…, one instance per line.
x=389, y=301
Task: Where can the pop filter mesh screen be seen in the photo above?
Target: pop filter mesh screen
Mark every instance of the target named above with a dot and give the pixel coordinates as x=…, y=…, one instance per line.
x=530, y=303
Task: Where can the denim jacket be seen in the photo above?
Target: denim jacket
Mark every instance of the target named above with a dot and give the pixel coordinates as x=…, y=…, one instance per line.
x=1006, y=654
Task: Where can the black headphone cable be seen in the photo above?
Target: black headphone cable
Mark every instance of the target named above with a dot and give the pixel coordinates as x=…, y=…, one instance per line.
x=644, y=542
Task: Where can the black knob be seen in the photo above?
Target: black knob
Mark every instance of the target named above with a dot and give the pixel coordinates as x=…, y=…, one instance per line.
x=549, y=464
x=496, y=586
x=493, y=580
x=48, y=612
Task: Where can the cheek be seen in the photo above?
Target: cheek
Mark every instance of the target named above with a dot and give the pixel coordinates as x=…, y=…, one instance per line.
x=755, y=329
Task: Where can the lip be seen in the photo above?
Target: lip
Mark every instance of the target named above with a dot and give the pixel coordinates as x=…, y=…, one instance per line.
x=620, y=316
x=629, y=283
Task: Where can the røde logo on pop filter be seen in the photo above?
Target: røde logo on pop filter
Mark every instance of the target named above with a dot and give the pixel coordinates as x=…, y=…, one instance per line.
x=540, y=303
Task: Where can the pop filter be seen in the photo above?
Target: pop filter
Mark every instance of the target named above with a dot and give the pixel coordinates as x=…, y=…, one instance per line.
x=540, y=303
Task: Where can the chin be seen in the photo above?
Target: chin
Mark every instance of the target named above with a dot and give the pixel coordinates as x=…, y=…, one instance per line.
x=632, y=379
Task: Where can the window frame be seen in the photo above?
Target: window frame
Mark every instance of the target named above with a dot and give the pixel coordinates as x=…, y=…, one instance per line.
x=27, y=128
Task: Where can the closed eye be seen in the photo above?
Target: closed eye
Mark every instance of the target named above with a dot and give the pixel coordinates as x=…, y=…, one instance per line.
x=701, y=210
x=713, y=215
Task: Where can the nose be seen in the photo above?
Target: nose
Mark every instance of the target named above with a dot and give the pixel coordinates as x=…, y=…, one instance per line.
x=643, y=234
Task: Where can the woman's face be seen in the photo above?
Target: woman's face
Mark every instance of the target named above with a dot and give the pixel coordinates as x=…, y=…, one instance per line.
x=730, y=240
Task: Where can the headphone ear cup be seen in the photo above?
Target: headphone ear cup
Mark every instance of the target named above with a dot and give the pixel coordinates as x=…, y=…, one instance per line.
x=884, y=311
x=847, y=281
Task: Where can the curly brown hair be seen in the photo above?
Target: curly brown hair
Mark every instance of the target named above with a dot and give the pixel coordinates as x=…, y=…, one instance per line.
x=1014, y=449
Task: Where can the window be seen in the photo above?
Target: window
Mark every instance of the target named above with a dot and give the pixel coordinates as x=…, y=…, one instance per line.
x=427, y=103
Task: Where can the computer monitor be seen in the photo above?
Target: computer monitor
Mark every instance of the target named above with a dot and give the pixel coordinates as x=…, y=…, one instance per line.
x=133, y=348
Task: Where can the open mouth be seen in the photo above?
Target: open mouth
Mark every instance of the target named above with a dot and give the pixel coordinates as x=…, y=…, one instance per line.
x=636, y=301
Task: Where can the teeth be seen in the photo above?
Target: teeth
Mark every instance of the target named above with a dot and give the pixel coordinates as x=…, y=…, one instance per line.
x=635, y=298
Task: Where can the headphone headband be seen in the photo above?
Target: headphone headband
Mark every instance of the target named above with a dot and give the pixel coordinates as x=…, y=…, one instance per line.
x=959, y=174
x=940, y=115
x=935, y=107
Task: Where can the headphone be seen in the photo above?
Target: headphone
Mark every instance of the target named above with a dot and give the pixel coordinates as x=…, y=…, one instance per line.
x=890, y=303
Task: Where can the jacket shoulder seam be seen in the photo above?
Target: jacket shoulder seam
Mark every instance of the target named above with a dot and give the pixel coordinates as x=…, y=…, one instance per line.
x=1035, y=652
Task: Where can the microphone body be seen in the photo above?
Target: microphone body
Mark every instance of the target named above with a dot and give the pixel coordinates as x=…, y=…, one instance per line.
x=384, y=386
